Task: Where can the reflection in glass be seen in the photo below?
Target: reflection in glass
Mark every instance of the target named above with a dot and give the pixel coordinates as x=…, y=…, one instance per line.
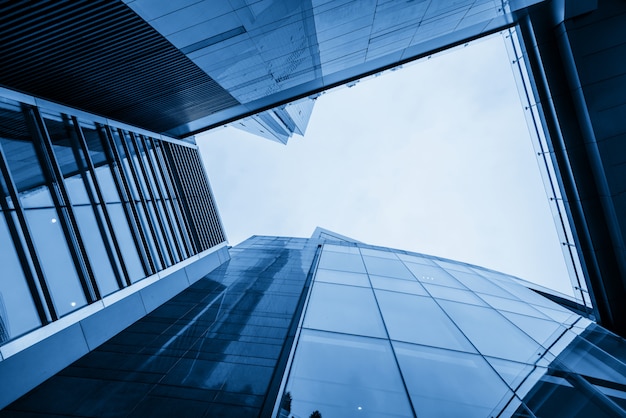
x=343, y=262
x=491, y=333
x=419, y=320
x=100, y=262
x=126, y=242
x=387, y=267
x=344, y=375
x=17, y=310
x=444, y=384
x=433, y=275
x=342, y=277
x=56, y=261
x=346, y=309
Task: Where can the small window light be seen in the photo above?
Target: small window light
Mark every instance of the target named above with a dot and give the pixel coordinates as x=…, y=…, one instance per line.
x=72, y=304
x=53, y=220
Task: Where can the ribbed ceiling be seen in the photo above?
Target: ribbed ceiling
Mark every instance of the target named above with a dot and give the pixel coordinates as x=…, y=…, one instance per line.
x=101, y=57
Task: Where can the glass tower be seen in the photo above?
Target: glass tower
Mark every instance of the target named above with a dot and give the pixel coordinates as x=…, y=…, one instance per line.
x=291, y=326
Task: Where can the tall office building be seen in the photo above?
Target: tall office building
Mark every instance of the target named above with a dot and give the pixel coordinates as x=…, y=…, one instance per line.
x=107, y=212
x=289, y=326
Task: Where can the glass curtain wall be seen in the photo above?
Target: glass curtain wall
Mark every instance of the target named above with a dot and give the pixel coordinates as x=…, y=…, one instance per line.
x=87, y=209
x=393, y=334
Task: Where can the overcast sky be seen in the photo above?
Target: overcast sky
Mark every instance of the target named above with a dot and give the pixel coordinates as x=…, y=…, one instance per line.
x=434, y=158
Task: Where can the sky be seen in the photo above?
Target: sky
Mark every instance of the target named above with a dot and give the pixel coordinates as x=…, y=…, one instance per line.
x=435, y=158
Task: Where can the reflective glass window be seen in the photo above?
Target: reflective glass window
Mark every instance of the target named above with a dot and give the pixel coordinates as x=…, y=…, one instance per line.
x=346, y=309
x=491, y=333
x=342, y=277
x=378, y=253
x=544, y=331
x=19, y=150
x=387, y=267
x=341, y=249
x=74, y=167
x=398, y=285
x=126, y=242
x=445, y=384
x=17, y=310
x=434, y=275
x=107, y=184
x=452, y=293
x=447, y=265
x=418, y=319
x=54, y=255
x=415, y=259
x=512, y=372
x=345, y=375
x=341, y=261
x=96, y=251
x=478, y=283
x=512, y=305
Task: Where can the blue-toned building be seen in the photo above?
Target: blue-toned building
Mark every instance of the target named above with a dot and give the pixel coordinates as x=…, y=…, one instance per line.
x=289, y=326
x=107, y=214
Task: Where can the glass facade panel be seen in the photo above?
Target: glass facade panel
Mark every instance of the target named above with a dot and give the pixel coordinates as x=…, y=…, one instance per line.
x=419, y=320
x=344, y=375
x=398, y=285
x=17, y=310
x=451, y=293
x=341, y=249
x=342, y=277
x=474, y=391
x=57, y=263
x=480, y=284
x=480, y=325
x=434, y=275
x=343, y=262
x=387, y=267
x=101, y=264
x=126, y=242
x=346, y=309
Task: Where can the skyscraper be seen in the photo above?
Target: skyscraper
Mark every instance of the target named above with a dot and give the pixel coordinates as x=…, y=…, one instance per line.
x=289, y=326
x=106, y=210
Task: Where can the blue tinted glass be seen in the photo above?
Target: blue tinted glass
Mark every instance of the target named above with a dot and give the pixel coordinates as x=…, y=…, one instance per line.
x=344, y=375
x=17, y=310
x=451, y=293
x=544, y=331
x=53, y=252
x=378, y=253
x=419, y=320
x=433, y=275
x=387, y=267
x=342, y=277
x=96, y=251
x=346, y=309
x=479, y=284
x=491, y=333
x=445, y=384
x=398, y=285
x=341, y=261
x=126, y=242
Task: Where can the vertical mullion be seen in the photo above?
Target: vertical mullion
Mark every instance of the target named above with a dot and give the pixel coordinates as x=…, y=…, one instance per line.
x=173, y=199
x=67, y=219
x=127, y=201
x=175, y=174
x=22, y=252
x=159, y=221
x=142, y=199
x=161, y=195
x=80, y=138
x=216, y=229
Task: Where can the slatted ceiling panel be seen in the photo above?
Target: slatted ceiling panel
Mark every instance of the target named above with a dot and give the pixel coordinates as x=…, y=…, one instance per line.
x=101, y=57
